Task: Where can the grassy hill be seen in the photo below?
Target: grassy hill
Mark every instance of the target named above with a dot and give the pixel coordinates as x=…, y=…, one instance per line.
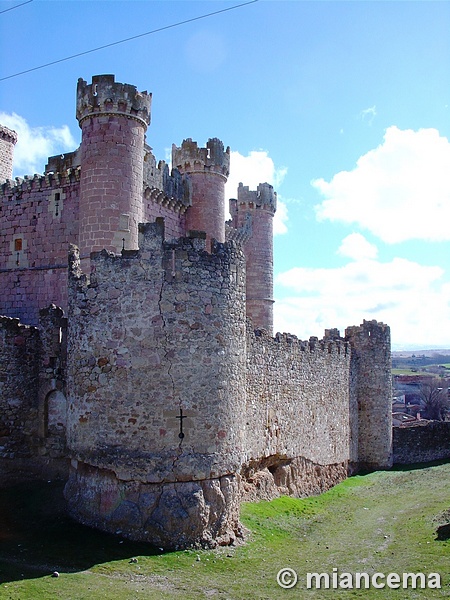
x=383, y=522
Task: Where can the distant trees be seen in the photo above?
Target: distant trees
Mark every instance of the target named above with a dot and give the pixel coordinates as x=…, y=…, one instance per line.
x=435, y=398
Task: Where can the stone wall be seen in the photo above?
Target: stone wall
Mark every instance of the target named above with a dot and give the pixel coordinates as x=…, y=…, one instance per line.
x=32, y=400
x=421, y=443
x=19, y=372
x=39, y=220
x=156, y=335
x=297, y=418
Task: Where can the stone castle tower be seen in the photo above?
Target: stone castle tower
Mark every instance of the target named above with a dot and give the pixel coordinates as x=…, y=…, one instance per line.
x=113, y=118
x=145, y=372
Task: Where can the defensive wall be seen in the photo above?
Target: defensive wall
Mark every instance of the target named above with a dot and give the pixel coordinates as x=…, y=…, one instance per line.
x=32, y=398
x=421, y=443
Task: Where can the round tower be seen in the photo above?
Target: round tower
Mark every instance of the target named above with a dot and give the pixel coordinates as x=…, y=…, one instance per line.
x=254, y=211
x=208, y=169
x=8, y=139
x=113, y=118
x=371, y=394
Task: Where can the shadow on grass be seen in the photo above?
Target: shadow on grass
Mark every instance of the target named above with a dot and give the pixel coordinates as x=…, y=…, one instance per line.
x=423, y=465
x=37, y=537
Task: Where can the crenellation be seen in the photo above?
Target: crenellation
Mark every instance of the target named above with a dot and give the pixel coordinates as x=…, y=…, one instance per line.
x=14, y=189
x=190, y=158
x=263, y=197
x=61, y=163
x=104, y=97
x=148, y=360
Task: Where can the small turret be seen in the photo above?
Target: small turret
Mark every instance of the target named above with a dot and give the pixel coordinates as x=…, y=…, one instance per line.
x=8, y=139
x=113, y=118
x=208, y=169
x=254, y=210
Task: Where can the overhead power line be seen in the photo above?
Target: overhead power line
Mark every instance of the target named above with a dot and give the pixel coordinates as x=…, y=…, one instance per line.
x=129, y=39
x=13, y=7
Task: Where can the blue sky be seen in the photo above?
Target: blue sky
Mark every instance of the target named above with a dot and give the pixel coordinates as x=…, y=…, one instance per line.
x=343, y=106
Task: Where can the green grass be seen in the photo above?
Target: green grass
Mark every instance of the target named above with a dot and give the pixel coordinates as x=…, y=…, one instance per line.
x=408, y=371
x=384, y=522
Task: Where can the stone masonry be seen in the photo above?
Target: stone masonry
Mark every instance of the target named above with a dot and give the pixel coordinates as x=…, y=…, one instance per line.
x=145, y=372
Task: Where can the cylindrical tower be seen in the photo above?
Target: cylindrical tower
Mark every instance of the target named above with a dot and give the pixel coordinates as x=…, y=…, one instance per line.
x=208, y=169
x=8, y=139
x=371, y=393
x=156, y=391
x=254, y=210
x=113, y=118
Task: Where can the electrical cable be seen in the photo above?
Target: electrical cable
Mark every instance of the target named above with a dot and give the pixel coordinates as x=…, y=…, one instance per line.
x=13, y=7
x=134, y=37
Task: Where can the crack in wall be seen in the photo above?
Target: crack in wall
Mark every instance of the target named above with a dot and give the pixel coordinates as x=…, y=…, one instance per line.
x=168, y=357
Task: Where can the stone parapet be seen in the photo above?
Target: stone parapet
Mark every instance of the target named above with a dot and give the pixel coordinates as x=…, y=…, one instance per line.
x=105, y=97
x=189, y=158
x=8, y=134
x=263, y=197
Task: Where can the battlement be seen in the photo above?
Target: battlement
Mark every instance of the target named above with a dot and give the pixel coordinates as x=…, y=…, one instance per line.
x=291, y=343
x=61, y=163
x=14, y=188
x=190, y=158
x=172, y=190
x=9, y=135
x=242, y=234
x=104, y=96
x=374, y=331
x=263, y=197
x=13, y=326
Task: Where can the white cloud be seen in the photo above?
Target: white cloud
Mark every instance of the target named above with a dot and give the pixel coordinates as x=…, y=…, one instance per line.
x=280, y=219
x=413, y=299
x=255, y=168
x=368, y=114
x=398, y=191
x=36, y=144
x=357, y=247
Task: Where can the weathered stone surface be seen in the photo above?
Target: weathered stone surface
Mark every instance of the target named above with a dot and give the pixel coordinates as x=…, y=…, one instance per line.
x=171, y=515
x=371, y=393
x=421, y=443
x=272, y=477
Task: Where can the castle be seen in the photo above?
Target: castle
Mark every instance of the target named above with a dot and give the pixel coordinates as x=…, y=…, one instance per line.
x=137, y=358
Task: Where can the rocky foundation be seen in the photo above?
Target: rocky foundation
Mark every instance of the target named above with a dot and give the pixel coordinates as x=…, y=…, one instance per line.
x=169, y=515
x=272, y=477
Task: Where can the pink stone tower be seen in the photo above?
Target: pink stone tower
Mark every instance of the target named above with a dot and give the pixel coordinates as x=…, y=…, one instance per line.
x=208, y=169
x=113, y=118
x=8, y=139
x=254, y=210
